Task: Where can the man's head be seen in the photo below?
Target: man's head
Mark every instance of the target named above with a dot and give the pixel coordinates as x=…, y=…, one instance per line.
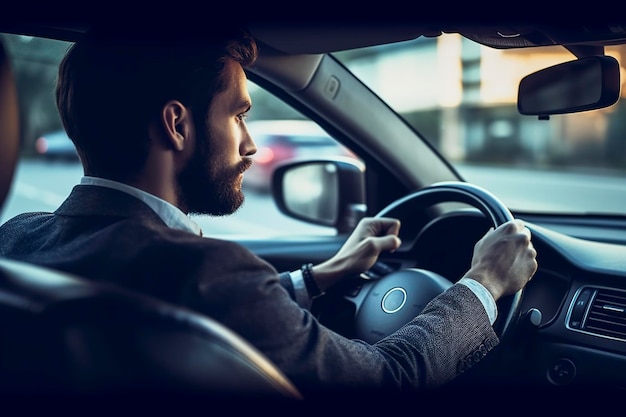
x=114, y=96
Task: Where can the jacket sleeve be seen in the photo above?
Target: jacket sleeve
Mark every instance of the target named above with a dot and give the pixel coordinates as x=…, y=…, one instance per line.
x=247, y=294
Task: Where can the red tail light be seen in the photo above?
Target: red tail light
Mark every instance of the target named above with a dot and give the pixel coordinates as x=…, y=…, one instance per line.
x=264, y=155
x=41, y=145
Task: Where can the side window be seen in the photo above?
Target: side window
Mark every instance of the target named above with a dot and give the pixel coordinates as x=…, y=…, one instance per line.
x=280, y=134
x=49, y=166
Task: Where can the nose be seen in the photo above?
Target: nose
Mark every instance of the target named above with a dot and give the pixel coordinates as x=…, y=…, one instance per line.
x=248, y=147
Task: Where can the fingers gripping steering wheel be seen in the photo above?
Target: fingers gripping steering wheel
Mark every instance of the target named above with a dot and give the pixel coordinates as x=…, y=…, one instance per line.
x=386, y=304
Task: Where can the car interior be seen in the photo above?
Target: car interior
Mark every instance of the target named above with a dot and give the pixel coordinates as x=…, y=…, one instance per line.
x=565, y=333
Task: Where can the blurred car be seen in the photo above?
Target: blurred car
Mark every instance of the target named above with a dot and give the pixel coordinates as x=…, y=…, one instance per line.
x=279, y=141
x=56, y=145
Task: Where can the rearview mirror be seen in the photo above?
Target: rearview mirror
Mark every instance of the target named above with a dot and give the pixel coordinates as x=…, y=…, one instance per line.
x=582, y=84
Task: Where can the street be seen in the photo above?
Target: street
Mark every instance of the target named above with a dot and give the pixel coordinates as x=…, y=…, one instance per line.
x=38, y=187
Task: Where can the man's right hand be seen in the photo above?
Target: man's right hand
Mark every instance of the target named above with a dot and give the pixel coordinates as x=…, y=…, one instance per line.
x=504, y=259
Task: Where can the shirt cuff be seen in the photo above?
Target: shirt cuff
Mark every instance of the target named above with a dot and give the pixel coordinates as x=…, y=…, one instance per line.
x=302, y=295
x=483, y=295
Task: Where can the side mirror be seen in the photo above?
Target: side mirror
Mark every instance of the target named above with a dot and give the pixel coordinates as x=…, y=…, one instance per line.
x=323, y=192
x=582, y=84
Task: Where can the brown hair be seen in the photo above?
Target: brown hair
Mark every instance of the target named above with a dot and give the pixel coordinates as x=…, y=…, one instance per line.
x=109, y=89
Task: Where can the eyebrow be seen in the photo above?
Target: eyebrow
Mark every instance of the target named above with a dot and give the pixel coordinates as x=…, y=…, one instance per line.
x=244, y=104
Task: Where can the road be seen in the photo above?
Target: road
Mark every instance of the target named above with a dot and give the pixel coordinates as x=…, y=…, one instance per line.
x=538, y=190
x=37, y=187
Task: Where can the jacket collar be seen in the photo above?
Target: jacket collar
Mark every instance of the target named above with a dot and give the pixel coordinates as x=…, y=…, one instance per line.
x=90, y=200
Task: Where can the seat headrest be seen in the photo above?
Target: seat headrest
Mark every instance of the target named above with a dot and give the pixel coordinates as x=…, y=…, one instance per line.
x=9, y=124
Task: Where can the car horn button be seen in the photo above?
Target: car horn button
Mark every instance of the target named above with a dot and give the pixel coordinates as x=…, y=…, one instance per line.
x=394, y=300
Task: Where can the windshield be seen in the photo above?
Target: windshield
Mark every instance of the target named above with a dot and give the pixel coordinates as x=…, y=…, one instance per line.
x=462, y=98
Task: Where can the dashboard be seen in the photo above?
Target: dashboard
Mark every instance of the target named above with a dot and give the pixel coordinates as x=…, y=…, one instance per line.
x=572, y=329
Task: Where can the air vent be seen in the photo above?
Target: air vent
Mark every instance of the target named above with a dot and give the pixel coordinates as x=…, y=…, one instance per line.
x=600, y=311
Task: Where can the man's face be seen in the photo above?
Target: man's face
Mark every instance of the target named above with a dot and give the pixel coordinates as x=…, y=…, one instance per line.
x=211, y=181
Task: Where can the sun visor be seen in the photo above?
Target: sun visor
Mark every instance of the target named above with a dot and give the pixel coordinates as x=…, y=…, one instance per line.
x=321, y=38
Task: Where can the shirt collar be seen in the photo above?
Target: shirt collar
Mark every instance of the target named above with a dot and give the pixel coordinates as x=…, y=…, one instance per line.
x=171, y=215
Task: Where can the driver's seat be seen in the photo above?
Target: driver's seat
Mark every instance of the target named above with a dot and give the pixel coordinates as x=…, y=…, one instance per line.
x=61, y=335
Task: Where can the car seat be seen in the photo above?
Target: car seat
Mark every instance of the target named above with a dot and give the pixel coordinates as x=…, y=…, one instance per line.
x=62, y=336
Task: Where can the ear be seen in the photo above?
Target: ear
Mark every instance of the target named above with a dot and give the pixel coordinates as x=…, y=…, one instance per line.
x=176, y=120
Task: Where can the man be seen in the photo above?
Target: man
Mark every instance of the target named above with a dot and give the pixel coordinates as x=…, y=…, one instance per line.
x=161, y=133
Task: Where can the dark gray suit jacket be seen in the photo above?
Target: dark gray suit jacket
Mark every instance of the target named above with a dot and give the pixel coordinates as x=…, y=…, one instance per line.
x=104, y=234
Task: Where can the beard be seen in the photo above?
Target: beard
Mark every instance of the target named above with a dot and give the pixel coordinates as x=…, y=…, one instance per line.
x=207, y=186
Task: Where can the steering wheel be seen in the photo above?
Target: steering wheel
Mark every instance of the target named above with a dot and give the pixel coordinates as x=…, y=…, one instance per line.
x=385, y=304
